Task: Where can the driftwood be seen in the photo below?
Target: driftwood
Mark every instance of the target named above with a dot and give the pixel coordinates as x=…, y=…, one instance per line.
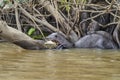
x=19, y=38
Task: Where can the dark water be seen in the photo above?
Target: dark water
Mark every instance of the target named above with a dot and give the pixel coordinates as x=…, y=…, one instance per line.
x=75, y=64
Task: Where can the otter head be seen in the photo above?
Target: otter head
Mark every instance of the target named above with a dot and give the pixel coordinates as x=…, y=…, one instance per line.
x=59, y=39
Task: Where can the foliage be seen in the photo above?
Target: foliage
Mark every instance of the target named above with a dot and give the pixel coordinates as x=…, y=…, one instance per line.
x=52, y=15
x=31, y=31
x=65, y=4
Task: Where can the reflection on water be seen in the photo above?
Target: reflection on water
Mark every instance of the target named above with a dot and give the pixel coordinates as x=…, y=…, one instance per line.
x=75, y=64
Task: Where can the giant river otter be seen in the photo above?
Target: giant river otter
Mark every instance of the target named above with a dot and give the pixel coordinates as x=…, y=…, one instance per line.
x=93, y=40
x=99, y=39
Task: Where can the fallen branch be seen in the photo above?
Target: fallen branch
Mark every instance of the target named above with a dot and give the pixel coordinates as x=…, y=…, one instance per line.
x=17, y=37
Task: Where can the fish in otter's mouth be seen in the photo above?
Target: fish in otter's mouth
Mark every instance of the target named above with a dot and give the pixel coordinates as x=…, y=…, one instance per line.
x=53, y=44
x=54, y=37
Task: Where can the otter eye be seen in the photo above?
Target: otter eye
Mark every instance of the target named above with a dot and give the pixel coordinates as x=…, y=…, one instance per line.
x=56, y=36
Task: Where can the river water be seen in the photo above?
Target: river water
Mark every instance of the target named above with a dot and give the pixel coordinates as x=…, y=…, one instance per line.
x=73, y=64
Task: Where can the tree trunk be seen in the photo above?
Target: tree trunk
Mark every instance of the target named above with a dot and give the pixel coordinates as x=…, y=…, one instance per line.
x=17, y=37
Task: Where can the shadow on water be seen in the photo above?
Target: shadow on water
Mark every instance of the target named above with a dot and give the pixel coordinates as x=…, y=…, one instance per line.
x=73, y=64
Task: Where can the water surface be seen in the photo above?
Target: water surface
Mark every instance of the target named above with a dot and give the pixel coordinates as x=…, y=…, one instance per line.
x=73, y=64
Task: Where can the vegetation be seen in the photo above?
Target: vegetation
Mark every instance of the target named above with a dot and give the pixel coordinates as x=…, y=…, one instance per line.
x=72, y=18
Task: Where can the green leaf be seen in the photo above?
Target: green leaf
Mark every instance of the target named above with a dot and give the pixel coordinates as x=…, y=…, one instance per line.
x=6, y=1
x=67, y=8
x=31, y=31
